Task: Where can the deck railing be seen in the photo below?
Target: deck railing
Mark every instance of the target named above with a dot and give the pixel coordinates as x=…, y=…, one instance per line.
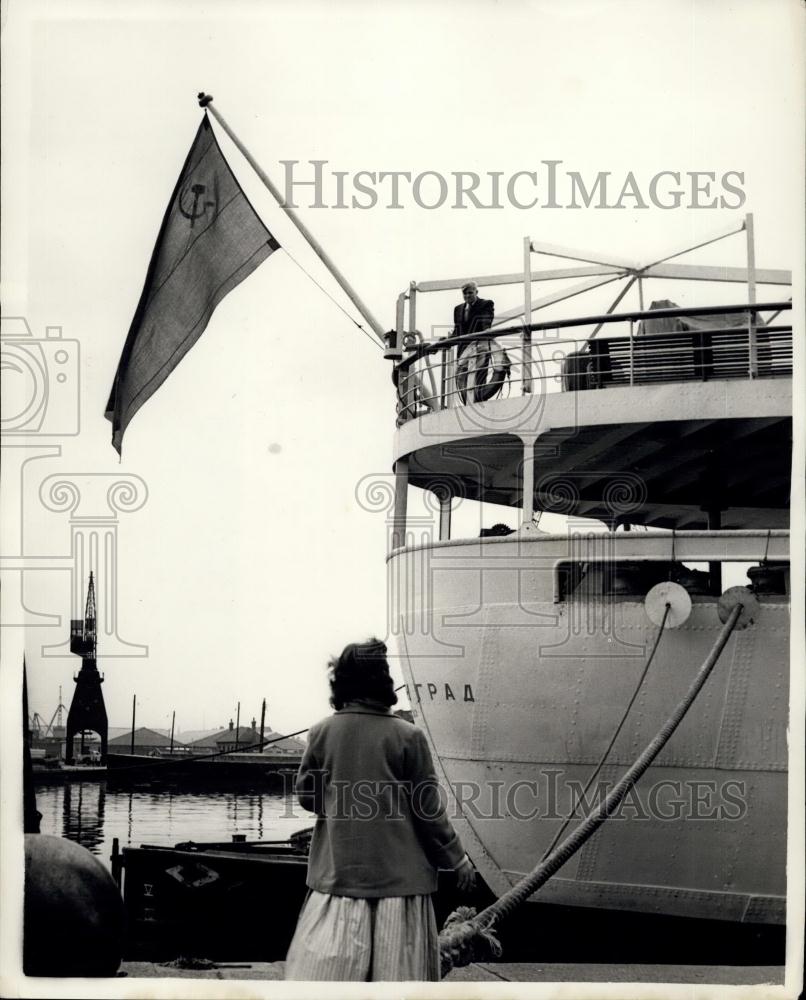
x=640, y=348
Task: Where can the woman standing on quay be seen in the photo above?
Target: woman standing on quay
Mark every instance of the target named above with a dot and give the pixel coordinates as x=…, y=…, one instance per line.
x=381, y=834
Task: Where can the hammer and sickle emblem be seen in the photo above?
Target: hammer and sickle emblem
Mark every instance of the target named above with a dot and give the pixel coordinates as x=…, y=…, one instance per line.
x=199, y=207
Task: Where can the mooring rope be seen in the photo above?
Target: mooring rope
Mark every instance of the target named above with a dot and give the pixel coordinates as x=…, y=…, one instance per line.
x=469, y=937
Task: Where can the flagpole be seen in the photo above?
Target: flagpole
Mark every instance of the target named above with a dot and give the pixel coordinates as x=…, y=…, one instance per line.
x=206, y=102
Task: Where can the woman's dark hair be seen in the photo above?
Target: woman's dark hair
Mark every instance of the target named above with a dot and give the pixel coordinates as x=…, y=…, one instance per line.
x=361, y=673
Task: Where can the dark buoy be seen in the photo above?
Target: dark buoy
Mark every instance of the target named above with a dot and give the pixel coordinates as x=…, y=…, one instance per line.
x=73, y=917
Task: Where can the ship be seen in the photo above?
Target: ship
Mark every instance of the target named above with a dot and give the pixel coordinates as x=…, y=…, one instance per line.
x=662, y=435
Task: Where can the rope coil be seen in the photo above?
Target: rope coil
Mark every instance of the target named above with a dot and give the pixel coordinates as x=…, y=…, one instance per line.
x=462, y=941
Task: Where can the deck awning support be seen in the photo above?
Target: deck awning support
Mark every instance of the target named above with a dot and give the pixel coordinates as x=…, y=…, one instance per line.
x=528, y=478
x=401, y=503
x=527, y=313
x=751, y=296
x=445, y=510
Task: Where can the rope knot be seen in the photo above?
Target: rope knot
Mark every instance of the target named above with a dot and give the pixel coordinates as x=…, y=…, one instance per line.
x=463, y=940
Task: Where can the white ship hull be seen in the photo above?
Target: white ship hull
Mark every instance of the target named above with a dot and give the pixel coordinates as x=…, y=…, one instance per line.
x=519, y=694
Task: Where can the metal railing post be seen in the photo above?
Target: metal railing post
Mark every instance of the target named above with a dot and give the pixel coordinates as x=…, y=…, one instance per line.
x=400, y=308
x=751, y=297
x=526, y=376
x=412, y=307
x=632, y=354
x=449, y=367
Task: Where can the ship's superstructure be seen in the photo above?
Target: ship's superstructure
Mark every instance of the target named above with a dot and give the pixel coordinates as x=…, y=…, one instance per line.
x=663, y=435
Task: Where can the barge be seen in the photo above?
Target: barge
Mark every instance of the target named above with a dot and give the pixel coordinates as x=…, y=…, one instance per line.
x=261, y=771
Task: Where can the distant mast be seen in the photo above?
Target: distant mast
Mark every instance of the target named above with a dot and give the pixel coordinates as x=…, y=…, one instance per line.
x=59, y=717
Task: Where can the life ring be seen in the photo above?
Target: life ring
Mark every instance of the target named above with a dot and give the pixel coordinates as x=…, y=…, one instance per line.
x=482, y=370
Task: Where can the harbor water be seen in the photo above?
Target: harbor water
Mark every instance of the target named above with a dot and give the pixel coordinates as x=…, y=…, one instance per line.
x=92, y=815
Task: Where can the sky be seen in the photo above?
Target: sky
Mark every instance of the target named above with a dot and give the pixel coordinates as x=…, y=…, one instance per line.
x=251, y=561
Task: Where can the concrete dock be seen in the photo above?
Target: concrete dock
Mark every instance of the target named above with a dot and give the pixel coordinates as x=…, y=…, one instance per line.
x=512, y=972
x=68, y=772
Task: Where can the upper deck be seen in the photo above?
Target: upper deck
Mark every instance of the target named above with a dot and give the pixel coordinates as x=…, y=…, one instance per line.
x=687, y=408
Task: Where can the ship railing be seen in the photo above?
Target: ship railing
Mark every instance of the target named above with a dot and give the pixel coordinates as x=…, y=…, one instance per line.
x=639, y=349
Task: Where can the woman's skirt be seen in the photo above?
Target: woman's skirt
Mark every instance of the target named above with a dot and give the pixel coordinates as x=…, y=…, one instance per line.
x=387, y=939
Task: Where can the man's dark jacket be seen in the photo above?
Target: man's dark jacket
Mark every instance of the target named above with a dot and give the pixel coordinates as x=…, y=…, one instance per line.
x=480, y=317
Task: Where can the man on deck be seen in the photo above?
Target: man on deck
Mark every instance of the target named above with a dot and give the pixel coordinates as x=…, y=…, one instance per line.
x=473, y=315
x=483, y=366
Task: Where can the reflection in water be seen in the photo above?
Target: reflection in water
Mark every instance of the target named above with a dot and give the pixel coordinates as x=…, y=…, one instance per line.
x=93, y=815
x=83, y=814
